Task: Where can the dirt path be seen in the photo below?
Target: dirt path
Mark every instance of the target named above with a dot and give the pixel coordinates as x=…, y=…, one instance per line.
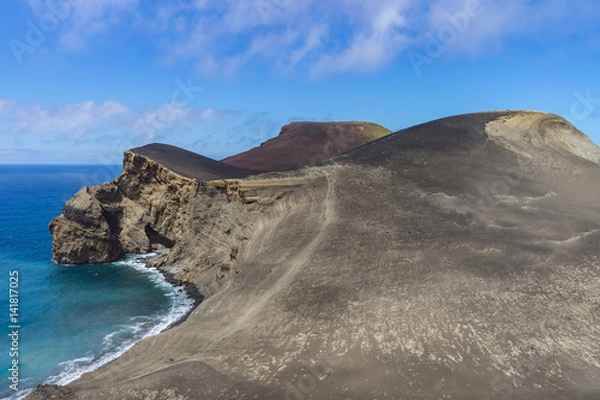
x=294, y=266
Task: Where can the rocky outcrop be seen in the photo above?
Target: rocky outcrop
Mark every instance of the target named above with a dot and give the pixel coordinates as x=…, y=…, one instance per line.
x=227, y=215
x=454, y=259
x=523, y=131
x=146, y=208
x=82, y=233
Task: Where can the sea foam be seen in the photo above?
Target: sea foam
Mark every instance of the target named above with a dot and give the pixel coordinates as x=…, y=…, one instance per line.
x=141, y=327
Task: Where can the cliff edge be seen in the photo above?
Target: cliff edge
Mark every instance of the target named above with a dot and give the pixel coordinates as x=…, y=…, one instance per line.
x=146, y=208
x=454, y=259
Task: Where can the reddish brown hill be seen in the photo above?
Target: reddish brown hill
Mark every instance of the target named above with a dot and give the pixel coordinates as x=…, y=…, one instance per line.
x=304, y=143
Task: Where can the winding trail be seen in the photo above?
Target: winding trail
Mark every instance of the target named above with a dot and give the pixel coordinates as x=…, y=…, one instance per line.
x=294, y=266
x=250, y=310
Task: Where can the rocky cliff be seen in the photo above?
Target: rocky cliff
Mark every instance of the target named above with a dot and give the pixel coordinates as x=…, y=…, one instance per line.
x=145, y=208
x=454, y=259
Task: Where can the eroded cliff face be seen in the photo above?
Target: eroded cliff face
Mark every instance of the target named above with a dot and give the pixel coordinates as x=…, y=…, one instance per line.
x=146, y=208
x=457, y=258
x=226, y=216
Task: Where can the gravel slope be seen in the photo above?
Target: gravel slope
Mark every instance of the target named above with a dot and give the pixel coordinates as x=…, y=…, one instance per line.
x=437, y=262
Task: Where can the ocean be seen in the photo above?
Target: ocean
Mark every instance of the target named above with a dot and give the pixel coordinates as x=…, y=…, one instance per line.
x=62, y=321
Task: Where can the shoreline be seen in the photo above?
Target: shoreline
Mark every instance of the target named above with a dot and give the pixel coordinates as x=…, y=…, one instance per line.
x=146, y=260
x=191, y=290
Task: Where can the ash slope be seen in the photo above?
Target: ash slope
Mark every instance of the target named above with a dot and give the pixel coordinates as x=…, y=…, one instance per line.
x=456, y=259
x=146, y=207
x=306, y=143
x=189, y=164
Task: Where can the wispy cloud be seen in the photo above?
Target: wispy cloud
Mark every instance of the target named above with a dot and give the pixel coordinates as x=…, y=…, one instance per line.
x=171, y=117
x=6, y=104
x=318, y=37
x=85, y=20
x=374, y=43
x=74, y=120
x=499, y=21
x=88, y=118
x=111, y=127
x=312, y=37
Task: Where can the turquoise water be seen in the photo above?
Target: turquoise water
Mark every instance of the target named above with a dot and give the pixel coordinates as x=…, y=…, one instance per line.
x=69, y=320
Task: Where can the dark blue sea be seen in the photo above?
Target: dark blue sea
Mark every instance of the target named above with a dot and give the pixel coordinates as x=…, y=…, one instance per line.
x=68, y=320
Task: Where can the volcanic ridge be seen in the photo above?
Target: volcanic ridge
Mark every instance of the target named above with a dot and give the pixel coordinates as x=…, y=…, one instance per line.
x=454, y=259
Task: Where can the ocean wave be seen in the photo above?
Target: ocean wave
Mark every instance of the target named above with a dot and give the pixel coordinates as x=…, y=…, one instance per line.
x=141, y=327
x=21, y=394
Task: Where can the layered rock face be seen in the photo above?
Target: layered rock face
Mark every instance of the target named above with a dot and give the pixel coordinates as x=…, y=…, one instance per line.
x=454, y=259
x=145, y=208
x=82, y=233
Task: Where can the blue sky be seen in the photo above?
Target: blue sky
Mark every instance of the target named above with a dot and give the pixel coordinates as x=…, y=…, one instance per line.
x=83, y=80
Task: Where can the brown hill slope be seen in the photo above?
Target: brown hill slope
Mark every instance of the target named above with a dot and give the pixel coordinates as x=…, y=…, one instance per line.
x=305, y=143
x=456, y=259
x=189, y=164
x=146, y=207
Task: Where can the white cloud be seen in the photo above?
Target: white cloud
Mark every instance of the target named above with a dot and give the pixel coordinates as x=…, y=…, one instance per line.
x=79, y=20
x=74, y=120
x=104, y=130
x=313, y=37
x=321, y=37
x=169, y=117
x=372, y=46
x=89, y=121
x=494, y=22
x=6, y=104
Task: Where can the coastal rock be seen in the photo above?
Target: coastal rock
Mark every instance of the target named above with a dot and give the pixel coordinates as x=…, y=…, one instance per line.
x=453, y=259
x=144, y=209
x=147, y=207
x=88, y=236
